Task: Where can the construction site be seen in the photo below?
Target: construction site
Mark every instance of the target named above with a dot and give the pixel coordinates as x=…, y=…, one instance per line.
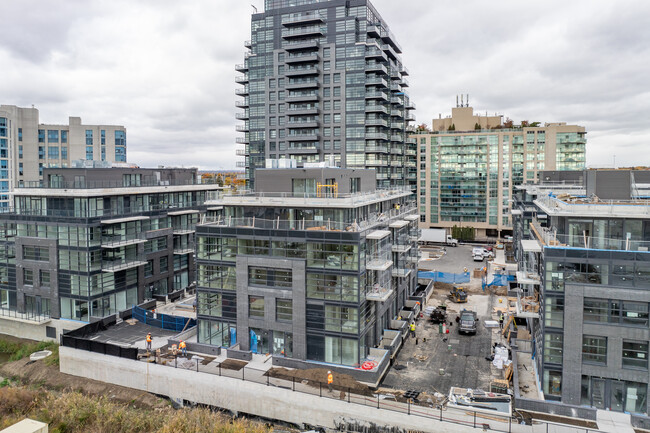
x=441, y=379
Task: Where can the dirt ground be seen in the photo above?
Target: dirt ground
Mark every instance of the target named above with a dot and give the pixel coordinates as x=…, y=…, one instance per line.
x=315, y=375
x=48, y=376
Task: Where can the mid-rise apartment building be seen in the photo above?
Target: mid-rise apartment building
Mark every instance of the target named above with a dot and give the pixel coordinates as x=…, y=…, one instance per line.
x=470, y=164
x=321, y=79
x=313, y=266
x=582, y=242
x=91, y=242
x=28, y=146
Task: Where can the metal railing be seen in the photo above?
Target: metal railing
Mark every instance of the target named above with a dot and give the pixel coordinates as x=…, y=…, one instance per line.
x=104, y=184
x=32, y=317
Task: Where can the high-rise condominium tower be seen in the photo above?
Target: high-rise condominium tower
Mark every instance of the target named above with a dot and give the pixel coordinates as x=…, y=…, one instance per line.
x=324, y=81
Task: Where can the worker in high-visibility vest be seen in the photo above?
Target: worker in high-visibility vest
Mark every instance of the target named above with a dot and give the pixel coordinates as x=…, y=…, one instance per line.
x=330, y=380
x=183, y=347
x=412, y=329
x=149, y=342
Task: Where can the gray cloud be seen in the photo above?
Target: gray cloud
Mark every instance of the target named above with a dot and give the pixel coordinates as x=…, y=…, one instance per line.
x=165, y=69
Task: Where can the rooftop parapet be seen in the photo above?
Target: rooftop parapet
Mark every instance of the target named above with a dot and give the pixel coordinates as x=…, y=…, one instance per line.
x=570, y=205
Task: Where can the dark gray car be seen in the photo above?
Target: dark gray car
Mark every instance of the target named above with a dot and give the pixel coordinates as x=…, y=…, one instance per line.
x=468, y=322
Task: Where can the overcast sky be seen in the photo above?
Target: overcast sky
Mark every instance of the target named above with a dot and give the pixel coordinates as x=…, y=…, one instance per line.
x=165, y=69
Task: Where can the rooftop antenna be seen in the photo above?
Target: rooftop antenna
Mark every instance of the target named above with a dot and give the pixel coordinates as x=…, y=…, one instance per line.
x=456, y=101
x=253, y=6
x=467, y=102
x=461, y=100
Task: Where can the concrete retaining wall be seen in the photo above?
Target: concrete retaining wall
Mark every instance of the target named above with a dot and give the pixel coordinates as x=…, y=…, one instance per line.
x=239, y=396
x=37, y=331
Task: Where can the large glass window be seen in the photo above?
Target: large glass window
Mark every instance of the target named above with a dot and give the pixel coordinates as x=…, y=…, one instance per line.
x=553, y=348
x=635, y=354
x=595, y=310
x=258, y=276
x=28, y=277
x=256, y=306
x=284, y=310
x=341, y=351
x=217, y=277
x=594, y=350
x=209, y=304
x=333, y=287
x=36, y=253
x=341, y=319
x=552, y=383
x=554, y=312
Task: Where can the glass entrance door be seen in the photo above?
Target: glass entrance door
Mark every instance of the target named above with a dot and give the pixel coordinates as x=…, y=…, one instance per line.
x=617, y=395
x=598, y=393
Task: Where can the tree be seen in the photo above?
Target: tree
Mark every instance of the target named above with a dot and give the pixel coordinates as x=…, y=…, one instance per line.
x=452, y=127
x=508, y=123
x=423, y=128
x=219, y=180
x=477, y=126
x=534, y=124
x=524, y=123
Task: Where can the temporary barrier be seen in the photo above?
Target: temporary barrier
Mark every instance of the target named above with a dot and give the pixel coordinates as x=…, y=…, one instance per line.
x=164, y=321
x=445, y=277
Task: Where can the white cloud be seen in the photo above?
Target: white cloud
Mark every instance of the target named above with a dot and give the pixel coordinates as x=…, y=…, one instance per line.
x=165, y=69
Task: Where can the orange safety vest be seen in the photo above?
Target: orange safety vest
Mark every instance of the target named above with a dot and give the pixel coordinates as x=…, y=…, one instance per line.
x=148, y=338
x=330, y=378
x=181, y=345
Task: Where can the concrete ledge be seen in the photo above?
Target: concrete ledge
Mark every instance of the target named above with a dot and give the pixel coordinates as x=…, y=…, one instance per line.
x=239, y=396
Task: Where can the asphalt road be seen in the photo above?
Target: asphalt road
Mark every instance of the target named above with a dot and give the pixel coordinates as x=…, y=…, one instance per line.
x=454, y=261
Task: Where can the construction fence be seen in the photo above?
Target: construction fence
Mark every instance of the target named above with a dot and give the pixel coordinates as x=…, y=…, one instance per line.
x=445, y=277
x=163, y=321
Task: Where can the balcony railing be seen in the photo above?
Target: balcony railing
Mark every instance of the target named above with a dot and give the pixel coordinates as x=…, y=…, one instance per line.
x=122, y=264
x=378, y=293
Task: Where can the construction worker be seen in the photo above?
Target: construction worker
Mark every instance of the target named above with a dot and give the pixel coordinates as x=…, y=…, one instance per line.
x=330, y=380
x=501, y=320
x=412, y=329
x=149, y=342
x=183, y=347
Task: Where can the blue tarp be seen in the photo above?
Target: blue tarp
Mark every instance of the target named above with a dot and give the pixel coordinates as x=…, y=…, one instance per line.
x=445, y=277
x=500, y=280
x=164, y=321
x=253, y=341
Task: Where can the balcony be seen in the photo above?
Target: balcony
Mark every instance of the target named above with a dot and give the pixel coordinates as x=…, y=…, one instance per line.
x=372, y=108
x=396, y=150
x=410, y=117
x=240, y=164
x=377, y=149
x=397, y=125
x=376, y=95
x=248, y=44
x=295, y=45
x=242, y=128
x=376, y=163
x=376, y=67
x=397, y=137
x=241, y=79
x=401, y=248
x=241, y=152
x=303, y=58
x=374, y=30
x=120, y=264
x=242, y=116
x=294, y=72
x=376, y=122
x=117, y=241
x=302, y=19
x=396, y=100
x=300, y=32
x=242, y=104
x=378, y=293
x=410, y=106
x=242, y=92
x=378, y=263
x=303, y=124
x=313, y=136
x=302, y=84
x=375, y=53
x=376, y=81
x=242, y=67
x=303, y=97
x=303, y=148
x=298, y=111
x=376, y=136
x=411, y=140
x=182, y=251
x=400, y=272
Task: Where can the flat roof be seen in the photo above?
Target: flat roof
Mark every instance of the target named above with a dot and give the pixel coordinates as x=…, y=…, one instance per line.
x=412, y=217
x=125, y=220
x=378, y=234
x=398, y=224
x=183, y=212
x=531, y=245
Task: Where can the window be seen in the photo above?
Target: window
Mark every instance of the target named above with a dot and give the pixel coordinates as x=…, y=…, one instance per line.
x=36, y=253
x=41, y=136
x=20, y=168
x=283, y=310
x=256, y=306
x=53, y=152
x=164, y=264
x=269, y=277
x=64, y=152
x=635, y=354
x=44, y=278
x=20, y=134
x=341, y=319
x=64, y=136
x=28, y=277
x=553, y=348
x=594, y=350
x=148, y=268
x=20, y=151
x=89, y=137
x=52, y=136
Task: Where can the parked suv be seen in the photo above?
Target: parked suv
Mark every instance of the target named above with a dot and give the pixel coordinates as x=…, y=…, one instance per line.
x=468, y=322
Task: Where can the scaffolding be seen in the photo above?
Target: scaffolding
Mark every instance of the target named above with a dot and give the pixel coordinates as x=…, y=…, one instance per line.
x=330, y=190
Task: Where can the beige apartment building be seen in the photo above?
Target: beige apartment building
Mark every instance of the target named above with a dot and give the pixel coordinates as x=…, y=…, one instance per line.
x=469, y=165
x=27, y=146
